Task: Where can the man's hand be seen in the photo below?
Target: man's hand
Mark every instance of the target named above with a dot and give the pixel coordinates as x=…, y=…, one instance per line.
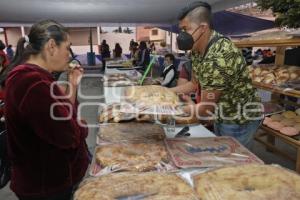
x=157, y=81
x=189, y=106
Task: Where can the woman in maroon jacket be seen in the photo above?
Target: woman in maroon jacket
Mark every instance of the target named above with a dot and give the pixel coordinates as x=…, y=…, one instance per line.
x=46, y=143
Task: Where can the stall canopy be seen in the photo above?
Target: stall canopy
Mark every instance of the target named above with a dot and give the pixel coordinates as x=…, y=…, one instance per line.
x=233, y=24
x=99, y=12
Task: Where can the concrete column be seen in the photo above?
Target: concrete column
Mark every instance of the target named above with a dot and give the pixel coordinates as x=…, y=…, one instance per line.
x=98, y=38
x=22, y=31
x=98, y=35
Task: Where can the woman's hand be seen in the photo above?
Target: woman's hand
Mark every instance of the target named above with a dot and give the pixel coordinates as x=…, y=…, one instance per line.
x=75, y=75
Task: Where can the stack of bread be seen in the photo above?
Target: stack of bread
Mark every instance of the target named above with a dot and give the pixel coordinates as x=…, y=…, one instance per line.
x=274, y=75
x=287, y=123
x=248, y=182
x=152, y=95
x=146, y=186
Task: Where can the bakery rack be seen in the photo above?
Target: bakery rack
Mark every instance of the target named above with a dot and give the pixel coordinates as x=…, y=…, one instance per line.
x=268, y=136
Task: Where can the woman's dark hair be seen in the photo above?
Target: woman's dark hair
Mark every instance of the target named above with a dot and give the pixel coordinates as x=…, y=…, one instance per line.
x=118, y=50
x=40, y=33
x=118, y=46
x=143, y=45
x=2, y=45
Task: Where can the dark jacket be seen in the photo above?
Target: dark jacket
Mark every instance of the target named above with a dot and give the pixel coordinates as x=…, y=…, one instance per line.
x=143, y=58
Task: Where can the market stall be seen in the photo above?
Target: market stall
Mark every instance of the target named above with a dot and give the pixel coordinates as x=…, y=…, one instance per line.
x=140, y=158
x=147, y=147
x=281, y=80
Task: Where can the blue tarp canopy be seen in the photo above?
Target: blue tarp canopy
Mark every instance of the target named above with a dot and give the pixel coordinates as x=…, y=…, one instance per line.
x=233, y=24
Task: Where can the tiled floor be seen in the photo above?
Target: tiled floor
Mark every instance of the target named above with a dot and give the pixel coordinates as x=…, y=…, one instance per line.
x=92, y=86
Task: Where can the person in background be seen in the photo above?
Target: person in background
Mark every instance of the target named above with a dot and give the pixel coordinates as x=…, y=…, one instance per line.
x=117, y=51
x=10, y=52
x=169, y=73
x=185, y=74
x=143, y=56
x=46, y=142
x=149, y=45
x=247, y=53
x=152, y=48
x=219, y=67
x=4, y=60
x=105, y=53
x=134, y=52
x=186, y=78
x=163, y=48
x=268, y=57
x=131, y=44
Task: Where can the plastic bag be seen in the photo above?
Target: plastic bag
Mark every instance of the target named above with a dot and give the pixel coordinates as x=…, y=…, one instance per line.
x=126, y=185
x=131, y=156
x=208, y=152
x=252, y=181
x=119, y=112
x=131, y=131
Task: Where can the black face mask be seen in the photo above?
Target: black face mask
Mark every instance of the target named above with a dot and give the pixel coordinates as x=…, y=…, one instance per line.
x=185, y=41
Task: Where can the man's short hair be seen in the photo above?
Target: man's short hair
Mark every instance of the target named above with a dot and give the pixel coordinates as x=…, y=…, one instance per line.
x=171, y=56
x=197, y=12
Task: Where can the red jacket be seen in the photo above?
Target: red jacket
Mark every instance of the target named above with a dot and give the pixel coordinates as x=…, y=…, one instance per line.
x=48, y=156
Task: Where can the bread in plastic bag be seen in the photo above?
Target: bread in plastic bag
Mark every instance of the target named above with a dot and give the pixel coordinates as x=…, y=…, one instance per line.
x=251, y=182
x=136, y=156
x=151, y=185
x=208, y=152
x=132, y=131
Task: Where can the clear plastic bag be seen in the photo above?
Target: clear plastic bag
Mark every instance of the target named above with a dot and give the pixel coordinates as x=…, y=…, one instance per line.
x=126, y=185
x=152, y=96
x=123, y=112
x=131, y=131
x=251, y=182
x=138, y=156
x=208, y=152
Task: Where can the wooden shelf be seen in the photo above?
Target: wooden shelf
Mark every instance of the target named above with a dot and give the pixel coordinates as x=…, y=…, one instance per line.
x=276, y=89
x=288, y=139
x=271, y=134
x=271, y=145
x=268, y=43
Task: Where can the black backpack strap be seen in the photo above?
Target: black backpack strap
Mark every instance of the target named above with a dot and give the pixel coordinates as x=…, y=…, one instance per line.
x=212, y=41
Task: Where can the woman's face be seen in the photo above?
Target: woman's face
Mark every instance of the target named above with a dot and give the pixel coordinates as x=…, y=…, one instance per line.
x=61, y=55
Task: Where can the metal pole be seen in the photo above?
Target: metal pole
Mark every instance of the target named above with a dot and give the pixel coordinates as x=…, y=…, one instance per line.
x=171, y=38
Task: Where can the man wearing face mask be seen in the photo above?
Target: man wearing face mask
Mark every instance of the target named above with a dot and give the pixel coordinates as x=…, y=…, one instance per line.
x=220, y=69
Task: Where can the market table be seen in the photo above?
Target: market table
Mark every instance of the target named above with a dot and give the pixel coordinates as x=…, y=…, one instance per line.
x=113, y=95
x=196, y=131
x=129, y=72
